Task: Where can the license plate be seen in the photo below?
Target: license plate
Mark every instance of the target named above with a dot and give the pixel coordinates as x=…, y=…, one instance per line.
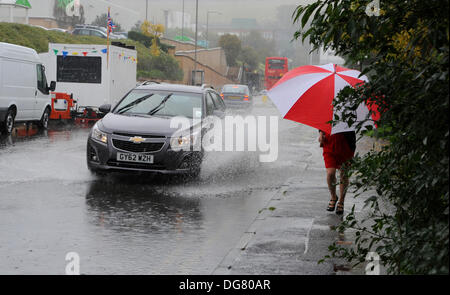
x=137, y=158
x=234, y=97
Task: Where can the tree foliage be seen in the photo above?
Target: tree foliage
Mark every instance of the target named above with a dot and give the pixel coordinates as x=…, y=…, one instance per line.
x=231, y=44
x=147, y=41
x=249, y=56
x=403, y=48
x=261, y=46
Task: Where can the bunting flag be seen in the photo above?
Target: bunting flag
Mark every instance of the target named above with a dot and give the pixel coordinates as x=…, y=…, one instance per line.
x=121, y=56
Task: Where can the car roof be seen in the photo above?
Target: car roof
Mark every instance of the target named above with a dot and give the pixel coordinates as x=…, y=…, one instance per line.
x=172, y=87
x=235, y=85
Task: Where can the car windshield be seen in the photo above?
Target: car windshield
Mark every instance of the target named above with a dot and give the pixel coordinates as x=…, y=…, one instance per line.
x=235, y=89
x=177, y=104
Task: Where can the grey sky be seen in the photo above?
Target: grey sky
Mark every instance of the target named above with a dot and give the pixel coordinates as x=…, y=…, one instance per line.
x=127, y=12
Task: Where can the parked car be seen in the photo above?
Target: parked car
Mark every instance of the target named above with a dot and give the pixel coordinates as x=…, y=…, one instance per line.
x=135, y=135
x=121, y=35
x=58, y=30
x=40, y=27
x=24, y=92
x=237, y=96
x=89, y=30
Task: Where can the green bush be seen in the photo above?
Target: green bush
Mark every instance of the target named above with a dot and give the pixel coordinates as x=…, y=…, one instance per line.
x=148, y=41
x=404, y=51
x=160, y=67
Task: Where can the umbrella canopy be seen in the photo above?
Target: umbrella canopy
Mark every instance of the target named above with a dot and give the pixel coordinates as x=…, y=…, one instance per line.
x=305, y=95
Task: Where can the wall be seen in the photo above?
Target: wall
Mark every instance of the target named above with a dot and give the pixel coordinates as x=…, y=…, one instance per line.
x=180, y=46
x=213, y=57
x=211, y=76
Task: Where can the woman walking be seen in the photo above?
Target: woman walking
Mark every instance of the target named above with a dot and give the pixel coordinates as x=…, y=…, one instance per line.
x=338, y=150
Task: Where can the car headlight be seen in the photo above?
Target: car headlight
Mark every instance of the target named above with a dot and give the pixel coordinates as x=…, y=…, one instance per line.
x=184, y=142
x=99, y=135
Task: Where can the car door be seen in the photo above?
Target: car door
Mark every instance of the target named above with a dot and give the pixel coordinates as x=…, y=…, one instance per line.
x=218, y=102
x=82, y=32
x=19, y=81
x=97, y=34
x=42, y=97
x=208, y=121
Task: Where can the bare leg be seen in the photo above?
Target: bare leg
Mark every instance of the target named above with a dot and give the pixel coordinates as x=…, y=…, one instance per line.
x=331, y=181
x=342, y=189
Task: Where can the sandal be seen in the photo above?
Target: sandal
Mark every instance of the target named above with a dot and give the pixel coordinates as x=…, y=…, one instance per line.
x=340, y=208
x=332, y=204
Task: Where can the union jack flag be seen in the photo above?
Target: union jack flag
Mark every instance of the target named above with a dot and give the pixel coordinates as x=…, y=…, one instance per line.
x=110, y=24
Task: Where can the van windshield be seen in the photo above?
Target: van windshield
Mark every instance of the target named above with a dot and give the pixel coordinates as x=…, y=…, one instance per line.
x=179, y=104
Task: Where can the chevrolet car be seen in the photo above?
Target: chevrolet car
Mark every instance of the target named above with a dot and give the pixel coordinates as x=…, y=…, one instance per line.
x=136, y=134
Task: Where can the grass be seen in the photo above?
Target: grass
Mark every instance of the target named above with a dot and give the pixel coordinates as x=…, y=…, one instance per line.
x=38, y=39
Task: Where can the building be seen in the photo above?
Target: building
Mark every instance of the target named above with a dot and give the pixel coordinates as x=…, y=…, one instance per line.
x=241, y=27
x=211, y=62
x=175, y=19
x=15, y=11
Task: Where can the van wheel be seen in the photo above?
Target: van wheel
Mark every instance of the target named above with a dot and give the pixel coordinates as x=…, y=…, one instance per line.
x=8, y=125
x=43, y=123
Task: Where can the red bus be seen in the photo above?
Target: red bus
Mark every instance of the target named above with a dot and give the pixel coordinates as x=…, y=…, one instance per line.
x=276, y=67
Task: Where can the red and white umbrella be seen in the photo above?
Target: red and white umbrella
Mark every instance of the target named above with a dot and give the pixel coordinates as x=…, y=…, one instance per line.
x=305, y=95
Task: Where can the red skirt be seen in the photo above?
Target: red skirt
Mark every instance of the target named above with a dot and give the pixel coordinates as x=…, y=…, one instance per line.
x=336, y=151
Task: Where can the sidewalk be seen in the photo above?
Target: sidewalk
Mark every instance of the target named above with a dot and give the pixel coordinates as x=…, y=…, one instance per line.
x=293, y=231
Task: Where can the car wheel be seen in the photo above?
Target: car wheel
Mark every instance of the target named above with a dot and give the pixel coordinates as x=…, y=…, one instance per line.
x=43, y=123
x=8, y=125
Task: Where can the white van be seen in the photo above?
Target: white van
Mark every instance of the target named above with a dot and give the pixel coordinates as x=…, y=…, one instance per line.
x=24, y=93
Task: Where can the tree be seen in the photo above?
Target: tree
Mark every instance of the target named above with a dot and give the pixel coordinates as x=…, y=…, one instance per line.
x=231, y=44
x=155, y=31
x=250, y=58
x=101, y=21
x=263, y=47
x=403, y=48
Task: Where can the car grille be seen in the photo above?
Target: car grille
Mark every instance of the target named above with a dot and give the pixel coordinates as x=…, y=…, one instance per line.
x=141, y=135
x=144, y=147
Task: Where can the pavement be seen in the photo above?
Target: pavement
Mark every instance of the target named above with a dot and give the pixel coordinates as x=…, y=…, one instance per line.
x=293, y=230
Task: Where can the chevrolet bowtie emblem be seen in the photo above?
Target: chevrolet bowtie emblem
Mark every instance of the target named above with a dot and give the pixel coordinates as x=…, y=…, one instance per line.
x=137, y=139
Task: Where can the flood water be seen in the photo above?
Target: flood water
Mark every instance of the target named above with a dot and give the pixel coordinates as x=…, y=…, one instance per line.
x=50, y=204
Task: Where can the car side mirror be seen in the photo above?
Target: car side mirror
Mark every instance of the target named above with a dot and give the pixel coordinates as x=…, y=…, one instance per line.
x=105, y=108
x=52, y=86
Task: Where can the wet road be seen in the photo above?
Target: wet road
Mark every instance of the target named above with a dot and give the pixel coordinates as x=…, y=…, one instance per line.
x=50, y=204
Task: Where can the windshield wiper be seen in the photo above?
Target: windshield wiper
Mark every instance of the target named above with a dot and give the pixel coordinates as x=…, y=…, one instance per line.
x=132, y=104
x=160, y=106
